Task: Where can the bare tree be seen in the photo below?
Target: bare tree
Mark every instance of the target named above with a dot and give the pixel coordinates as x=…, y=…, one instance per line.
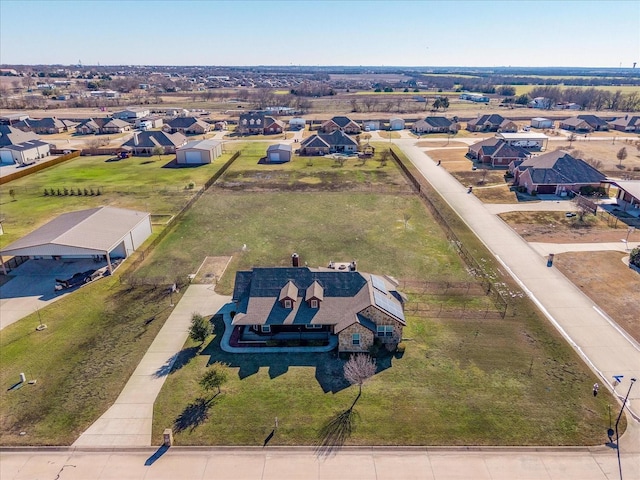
x=358, y=369
x=571, y=138
x=621, y=155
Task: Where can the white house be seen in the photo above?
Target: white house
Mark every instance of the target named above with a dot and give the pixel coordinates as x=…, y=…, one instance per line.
x=396, y=124
x=199, y=152
x=24, y=153
x=541, y=122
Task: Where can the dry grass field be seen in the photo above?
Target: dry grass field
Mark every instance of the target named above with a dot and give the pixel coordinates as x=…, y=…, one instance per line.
x=604, y=151
x=608, y=282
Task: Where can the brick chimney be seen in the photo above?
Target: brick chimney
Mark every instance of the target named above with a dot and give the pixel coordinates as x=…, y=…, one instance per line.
x=295, y=260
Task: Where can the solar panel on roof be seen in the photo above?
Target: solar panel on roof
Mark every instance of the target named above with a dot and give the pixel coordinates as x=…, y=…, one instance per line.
x=378, y=283
x=388, y=305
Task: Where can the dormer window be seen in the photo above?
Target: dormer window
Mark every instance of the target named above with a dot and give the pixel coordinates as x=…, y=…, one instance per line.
x=314, y=303
x=287, y=303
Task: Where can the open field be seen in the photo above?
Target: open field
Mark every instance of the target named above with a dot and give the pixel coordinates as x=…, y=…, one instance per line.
x=141, y=183
x=604, y=151
x=555, y=227
x=625, y=89
x=608, y=282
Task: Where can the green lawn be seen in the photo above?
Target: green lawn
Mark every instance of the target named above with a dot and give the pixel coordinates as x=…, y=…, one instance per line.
x=94, y=341
x=138, y=183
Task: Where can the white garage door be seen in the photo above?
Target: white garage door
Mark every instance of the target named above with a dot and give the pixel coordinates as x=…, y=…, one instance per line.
x=5, y=157
x=274, y=156
x=192, y=157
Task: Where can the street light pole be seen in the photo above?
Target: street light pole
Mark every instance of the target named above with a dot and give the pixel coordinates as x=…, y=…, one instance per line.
x=618, y=421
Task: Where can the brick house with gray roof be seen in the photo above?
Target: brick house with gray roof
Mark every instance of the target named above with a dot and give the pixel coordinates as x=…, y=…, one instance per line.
x=187, y=126
x=344, y=124
x=434, y=125
x=357, y=307
x=326, y=143
x=143, y=143
x=491, y=123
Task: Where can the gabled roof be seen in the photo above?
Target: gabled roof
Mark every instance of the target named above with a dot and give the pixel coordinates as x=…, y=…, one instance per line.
x=116, y=123
x=152, y=138
x=438, y=122
x=574, y=121
x=13, y=136
x=97, y=229
x=186, y=122
x=559, y=167
x=493, y=119
x=200, y=145
x=341, y=121
x=47, y=122
x=626, y=121
x=504, y=150
x=488, y=142
x=593, y=120
x=314, y=141
x=279, y=146
x=28, y=145
x=632, y=187
x=344, y=295
x=337, y=137
x=268, y=121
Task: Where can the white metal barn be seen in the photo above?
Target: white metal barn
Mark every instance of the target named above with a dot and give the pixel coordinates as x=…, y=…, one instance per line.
x=198, y=152
x=107, y=232
x=279, y=153
x=396, y=124
x=541, y=122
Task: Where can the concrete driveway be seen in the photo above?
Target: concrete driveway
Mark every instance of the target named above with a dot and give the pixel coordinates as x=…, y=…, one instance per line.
x=33, y=286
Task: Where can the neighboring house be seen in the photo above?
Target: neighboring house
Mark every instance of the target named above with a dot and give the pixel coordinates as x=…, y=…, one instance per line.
x=198, y=152
x=541, y=122
x=115, y=125
x=396, y=124
x=221, y=125
x=24, y=153
x=132, y=113
x=44, y=126
x=143, y=143
x=474, y=150
x=272, y=126
x=491, y=123
x=187, y=126
x=584, y=123
x=501, y=154
x=627, y=123
x=90, y=126
x=251, y=123
x=556, y=173
x=176, y=112
x=325, y=143
x=344, y=124
x=435, y=125
x=297, y=123
x=279, y=153
x=13, y=136
x=474, y=97
x=356, y=307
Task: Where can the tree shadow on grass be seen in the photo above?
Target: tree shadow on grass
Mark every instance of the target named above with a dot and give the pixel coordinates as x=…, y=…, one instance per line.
x=334, y=433
x=194, y=415
x=177, y=361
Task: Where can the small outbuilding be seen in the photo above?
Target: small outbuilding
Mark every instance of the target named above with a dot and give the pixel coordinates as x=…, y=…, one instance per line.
x=106, y=232
x=396, y=124
x=198, y=152
x=297, y=123
x=541, y=122
x=278, y=153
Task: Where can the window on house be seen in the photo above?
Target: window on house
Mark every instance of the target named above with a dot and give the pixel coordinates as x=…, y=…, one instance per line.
x=313, y=326
x=314, y=303
x=287, y=303
x=265, y=328
x=385, y=330
x=355, y=339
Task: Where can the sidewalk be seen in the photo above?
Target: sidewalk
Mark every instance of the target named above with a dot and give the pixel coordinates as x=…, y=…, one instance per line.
x=128, y=421
x=602, y=346
x=291, y=463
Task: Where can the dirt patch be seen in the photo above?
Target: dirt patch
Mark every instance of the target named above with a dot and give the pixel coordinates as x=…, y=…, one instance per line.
x=608, y=282
x=211, y=270
x=496, y=194
x=555, y=227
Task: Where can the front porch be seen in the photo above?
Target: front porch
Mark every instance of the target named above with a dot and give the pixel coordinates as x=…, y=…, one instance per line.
x=281, y=335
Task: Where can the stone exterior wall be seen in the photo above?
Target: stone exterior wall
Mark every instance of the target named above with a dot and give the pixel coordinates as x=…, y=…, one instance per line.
x=344, y=339
x=380, y=318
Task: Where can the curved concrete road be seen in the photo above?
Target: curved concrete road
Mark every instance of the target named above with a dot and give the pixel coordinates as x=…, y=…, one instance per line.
x=599, y=341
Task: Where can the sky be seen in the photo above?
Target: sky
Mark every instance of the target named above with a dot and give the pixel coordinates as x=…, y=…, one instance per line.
x=574, y=33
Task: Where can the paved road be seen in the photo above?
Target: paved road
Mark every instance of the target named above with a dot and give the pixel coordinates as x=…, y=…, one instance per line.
x=128, y=421
x=601, y=343
x=304, y=463
x=545, y=249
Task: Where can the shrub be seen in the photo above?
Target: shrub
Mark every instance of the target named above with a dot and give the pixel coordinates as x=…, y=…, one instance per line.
x=272, y=343
x=401, y=347
x=374, y=350
x=86, y=192
x=66, y=191
x=634, y=257
x=46, y=192
x=92, y=192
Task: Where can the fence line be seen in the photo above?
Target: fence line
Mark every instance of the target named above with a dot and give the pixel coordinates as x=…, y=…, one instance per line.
x=474, y=266
x=36, y=168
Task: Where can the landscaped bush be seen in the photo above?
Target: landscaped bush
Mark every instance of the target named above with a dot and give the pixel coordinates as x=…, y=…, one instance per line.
x=634, y=257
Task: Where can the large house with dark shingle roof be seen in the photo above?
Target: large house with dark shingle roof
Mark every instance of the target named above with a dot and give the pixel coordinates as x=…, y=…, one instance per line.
x=143, y=143
x=22, y=148
x=584, y=123
x=491, y=123
x=356, y=307
x=435, y=125
x=344, y=124
x=555, y=173
x=628, y=123
x=326, y=143
x=187, y=126
x=497, y=153
x=46, y=125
